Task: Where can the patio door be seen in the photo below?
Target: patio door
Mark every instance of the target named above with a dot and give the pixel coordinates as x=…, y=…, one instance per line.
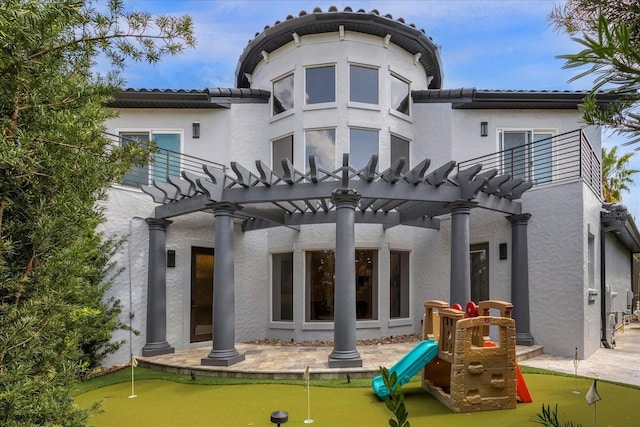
x=527, y=154
x=201, y=294
x=479, y=259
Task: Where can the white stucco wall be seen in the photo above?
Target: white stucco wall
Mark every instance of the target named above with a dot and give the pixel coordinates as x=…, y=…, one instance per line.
x=556, y=266
x=215, y=128
x=618, y=273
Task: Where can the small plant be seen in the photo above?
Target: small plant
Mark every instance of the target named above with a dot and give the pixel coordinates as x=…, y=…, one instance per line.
x=395, y=401
x=549, y=418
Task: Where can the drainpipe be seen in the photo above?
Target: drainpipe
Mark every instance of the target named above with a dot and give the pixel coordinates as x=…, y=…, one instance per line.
x=603, y=291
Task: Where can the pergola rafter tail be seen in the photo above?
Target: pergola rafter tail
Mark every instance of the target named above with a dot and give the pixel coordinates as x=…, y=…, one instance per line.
x=293, y=198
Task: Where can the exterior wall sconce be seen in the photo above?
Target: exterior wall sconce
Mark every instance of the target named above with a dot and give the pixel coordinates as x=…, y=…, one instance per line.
x=196, y=130
x=484, y=128
x=171, y=258
x=503, y=250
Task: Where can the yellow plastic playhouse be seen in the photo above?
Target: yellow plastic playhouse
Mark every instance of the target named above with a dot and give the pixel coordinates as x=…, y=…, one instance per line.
x=471, y=372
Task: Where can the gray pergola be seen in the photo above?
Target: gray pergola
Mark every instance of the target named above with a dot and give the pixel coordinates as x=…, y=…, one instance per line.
x=345, y=196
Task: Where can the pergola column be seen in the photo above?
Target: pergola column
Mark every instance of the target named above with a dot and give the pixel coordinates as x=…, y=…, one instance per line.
x=520, y=278
x=224, y=352
x=156, y=340
x=344, y=352
x=460, y=284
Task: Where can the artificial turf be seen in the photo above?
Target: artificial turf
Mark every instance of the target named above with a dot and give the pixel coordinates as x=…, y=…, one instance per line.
x=221, y=402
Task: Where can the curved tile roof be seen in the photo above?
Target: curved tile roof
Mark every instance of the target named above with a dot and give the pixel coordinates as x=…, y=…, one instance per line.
x=406, y=36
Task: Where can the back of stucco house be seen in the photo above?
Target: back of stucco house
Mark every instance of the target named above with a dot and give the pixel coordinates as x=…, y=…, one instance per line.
x=529, y=226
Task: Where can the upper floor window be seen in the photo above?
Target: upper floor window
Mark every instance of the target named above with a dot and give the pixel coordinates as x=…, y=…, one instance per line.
x=282, y=149
x=320, y=84
x=321, y=143
x=282, y=99
x=363, y=143
x=165, y=161
x=400, y=148
x=527, y=154
x=363, y=84
x=400, y=95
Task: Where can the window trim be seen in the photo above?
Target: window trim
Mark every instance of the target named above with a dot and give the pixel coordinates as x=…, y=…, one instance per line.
x=393, y=111
x=401, y=321
x=532, y=132
x=273, y=141
x=359, y=104
x=293, y=94
x=335, y=144
x=282, y=324
x=408, y=140
x=375, y=295
x=321, y=105
x=363, y=128
x=150, y=131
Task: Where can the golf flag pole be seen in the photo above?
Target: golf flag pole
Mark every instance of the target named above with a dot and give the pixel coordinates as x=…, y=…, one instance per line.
x=308, y=388
x=134, y=363
x=592, y=397
x=575, y=372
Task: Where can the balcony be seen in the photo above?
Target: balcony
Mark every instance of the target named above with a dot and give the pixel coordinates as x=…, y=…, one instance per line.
x=164, y=163
x=561, y=158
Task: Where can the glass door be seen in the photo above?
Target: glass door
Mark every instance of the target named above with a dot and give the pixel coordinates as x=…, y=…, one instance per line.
x=479, y=258
x=201, y=294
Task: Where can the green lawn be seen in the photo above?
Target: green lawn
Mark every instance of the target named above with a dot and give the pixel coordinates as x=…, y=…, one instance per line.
x=173, y=400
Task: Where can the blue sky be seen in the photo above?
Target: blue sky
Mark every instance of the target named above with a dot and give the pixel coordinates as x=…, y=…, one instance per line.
x=484, y=44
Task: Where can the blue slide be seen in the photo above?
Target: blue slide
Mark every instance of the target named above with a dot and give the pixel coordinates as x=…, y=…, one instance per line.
x=408, y=366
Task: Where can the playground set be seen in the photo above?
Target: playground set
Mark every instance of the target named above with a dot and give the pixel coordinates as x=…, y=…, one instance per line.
x=462, y=366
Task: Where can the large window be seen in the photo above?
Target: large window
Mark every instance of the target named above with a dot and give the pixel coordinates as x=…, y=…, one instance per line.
x=320, y=84
x=527, y=154
x=400, y=95
x=320, y=284
x=363, y=84
x=165, y=161
x=282, y=287
x=282, y=95
x=398, y=284
x=282, y=149
x=363, y=143
x=321, y=143
x=400, y=148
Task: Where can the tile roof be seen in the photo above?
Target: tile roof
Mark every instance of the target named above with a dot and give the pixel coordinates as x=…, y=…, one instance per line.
x=405, y=36
x=472, y=98
x=193, y=98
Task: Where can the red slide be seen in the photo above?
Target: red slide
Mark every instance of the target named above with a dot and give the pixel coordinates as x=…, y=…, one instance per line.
x=521, y=387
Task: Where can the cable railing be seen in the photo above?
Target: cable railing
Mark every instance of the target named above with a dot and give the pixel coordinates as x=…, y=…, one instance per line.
x=561, y=158
x=163, y=163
